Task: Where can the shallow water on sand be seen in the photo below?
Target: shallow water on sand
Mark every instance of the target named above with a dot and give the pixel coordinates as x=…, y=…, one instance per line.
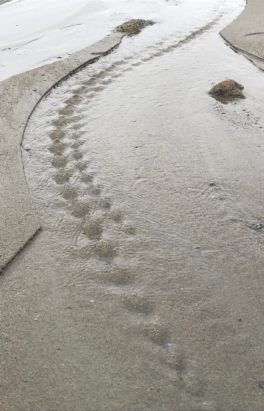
x=151, y=256
x=36, y=32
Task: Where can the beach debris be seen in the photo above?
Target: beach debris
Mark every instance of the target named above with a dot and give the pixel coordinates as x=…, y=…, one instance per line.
x=227, y=91
x=256, y=226
x=134, y=26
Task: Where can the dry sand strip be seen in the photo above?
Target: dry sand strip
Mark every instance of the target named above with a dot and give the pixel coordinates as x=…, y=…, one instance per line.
x=246, y=33
x=19, y=96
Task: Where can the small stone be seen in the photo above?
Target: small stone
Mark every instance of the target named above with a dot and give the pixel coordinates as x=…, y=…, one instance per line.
x=227, y=91
x=134, y=26
x=256, y=226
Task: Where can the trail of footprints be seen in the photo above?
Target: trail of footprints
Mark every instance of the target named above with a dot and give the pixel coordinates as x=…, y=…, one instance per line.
x=93, y=211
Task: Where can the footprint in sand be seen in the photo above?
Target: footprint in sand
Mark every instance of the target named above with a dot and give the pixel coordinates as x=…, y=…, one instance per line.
x=92, y=228
x=157, y=333
x=74, y=100
x=69, y=192
x=94, y=190
x=66, y=111
x=184, y=371
x=103, y=203
x=118, y=276
x=77, y=143
x=138, y=304
x=57, y=135
x=81, y=209
x=60, y=122
x=86, y=178
x=116, y=215
x=57, y=147
x=59, y=161
x=62, y=176
x=81, y=165
x=105, y=250
x=77, y=155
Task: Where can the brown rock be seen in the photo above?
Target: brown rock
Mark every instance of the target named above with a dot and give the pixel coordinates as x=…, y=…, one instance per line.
x=134, y=26
x=227, y=91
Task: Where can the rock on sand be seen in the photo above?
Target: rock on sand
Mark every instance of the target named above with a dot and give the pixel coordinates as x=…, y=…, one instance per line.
x=227, y=91
x=134, y=26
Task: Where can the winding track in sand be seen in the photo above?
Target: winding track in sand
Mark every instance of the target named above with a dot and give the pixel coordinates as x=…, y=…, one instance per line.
x=158, y=336
x=19, y=95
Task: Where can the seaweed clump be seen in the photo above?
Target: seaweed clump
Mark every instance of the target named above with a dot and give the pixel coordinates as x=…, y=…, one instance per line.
x=227, y=91
x=134, y=26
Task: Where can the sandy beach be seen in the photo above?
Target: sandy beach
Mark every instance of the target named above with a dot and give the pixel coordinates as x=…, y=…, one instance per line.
x=132, y=226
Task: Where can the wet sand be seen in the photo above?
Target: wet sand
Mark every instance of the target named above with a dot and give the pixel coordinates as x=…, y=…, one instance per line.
x=19, y=95
x=246, y=33
x=144, y=289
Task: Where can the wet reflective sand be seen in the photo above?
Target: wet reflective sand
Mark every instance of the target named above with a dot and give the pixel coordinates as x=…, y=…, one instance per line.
x=146, y=282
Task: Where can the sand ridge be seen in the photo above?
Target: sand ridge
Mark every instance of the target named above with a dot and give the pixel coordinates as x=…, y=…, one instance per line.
x=245, y=34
